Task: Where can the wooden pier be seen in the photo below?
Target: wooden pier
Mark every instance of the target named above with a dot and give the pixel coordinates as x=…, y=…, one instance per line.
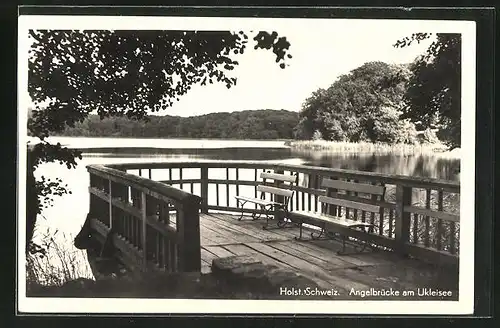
x=223, y=235
x=178, y=217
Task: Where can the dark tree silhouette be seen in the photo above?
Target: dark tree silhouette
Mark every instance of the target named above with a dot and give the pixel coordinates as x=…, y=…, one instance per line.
x=117, y=73
x=433, y=97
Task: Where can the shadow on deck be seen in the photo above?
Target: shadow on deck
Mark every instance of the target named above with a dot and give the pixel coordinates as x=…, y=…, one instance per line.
x=222, y=235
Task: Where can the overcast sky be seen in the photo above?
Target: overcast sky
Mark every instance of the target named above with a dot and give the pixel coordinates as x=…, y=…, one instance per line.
x=322, y=50
x=317, y=62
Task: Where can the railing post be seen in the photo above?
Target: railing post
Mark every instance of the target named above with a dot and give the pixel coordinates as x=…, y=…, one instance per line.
x=402, y=219
x=333, y=210
x=110, y=200
x=144, y=226
x=92, y=197
x=188, y=229
x=279, y=199
x=204, y=189
x=119, y=192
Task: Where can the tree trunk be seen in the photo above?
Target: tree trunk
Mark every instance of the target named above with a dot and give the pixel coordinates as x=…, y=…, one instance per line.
x=32, y=201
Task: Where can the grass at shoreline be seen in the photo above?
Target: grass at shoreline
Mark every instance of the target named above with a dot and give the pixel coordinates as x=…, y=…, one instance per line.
x=60, y=265
x=340, y=146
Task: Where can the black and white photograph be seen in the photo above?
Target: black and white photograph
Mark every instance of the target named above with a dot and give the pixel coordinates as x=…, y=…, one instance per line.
x=245, y=165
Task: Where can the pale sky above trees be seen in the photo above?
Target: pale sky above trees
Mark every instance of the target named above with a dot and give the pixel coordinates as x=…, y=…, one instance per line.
x=317, y=62
x=322, y=50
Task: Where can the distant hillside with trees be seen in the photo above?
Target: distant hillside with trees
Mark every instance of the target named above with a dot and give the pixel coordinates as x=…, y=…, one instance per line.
x=250, y=124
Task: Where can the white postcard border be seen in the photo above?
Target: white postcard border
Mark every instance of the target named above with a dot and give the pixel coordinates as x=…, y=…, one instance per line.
x=99, y=305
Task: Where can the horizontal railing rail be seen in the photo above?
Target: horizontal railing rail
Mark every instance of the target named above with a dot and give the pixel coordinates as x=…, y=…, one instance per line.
x=152, y=225
x=418, y=217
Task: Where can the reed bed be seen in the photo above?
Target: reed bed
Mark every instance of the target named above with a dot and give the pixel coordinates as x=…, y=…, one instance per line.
x=368, y=147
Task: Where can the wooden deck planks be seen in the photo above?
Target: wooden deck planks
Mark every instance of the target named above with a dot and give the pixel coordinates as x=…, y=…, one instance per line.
x=219, y=251
x=285, y=247
x=304, y=266
x=207, y=256
x=357, y=274
x=223, y=235
x=288, y=233
x=242, y=249
x=253, y=228
x=317, y=252
x=215, y=236
x=362, y=259
x=240, y=236
x=204, y=240
x=256, y=226
x=328, y=249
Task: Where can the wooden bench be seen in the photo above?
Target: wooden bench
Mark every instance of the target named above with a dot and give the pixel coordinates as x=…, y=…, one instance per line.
x=330, y=218
x=279, y=193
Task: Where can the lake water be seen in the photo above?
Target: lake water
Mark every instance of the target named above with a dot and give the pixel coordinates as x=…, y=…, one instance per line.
x=69, y=211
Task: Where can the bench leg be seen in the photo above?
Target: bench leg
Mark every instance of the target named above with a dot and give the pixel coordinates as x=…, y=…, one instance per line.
x=280, y=224
x=342, y=251
x=318, y=236
x=283, y=224
x=267, y=212
x=359, y=246
x=300, y=232
x=256, y=216
x=241, y=203
x=323, y=233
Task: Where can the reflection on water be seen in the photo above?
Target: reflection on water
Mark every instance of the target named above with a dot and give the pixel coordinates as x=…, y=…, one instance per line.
x=418, y=165
x=421, y=165
x=248, y=153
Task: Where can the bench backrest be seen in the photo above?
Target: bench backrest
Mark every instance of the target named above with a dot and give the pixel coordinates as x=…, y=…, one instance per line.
x=278, y=177
x=275, y=191
x=348, y=200
x=280, y=189
x=353, y=187
x=349, y=204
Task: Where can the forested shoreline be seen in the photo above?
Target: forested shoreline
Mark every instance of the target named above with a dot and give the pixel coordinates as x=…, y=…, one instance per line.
x=250, y=124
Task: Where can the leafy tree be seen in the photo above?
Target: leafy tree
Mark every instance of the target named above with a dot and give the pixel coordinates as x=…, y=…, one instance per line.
x=358, y=107
x=433, y=96
x=119, y=73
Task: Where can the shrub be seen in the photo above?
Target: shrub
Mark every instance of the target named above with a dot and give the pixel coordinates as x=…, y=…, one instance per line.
x=317, y=135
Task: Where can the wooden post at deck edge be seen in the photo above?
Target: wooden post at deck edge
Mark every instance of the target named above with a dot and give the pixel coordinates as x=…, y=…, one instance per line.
x=402, y=219
x=204, y=189
x=189, y=234
x=144, y=226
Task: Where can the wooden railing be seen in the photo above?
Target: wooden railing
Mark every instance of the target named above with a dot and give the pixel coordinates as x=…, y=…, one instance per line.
x=418, y=217
x=151, y=225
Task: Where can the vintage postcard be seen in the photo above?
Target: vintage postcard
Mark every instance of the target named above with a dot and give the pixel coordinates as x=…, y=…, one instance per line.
x=245, y=165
